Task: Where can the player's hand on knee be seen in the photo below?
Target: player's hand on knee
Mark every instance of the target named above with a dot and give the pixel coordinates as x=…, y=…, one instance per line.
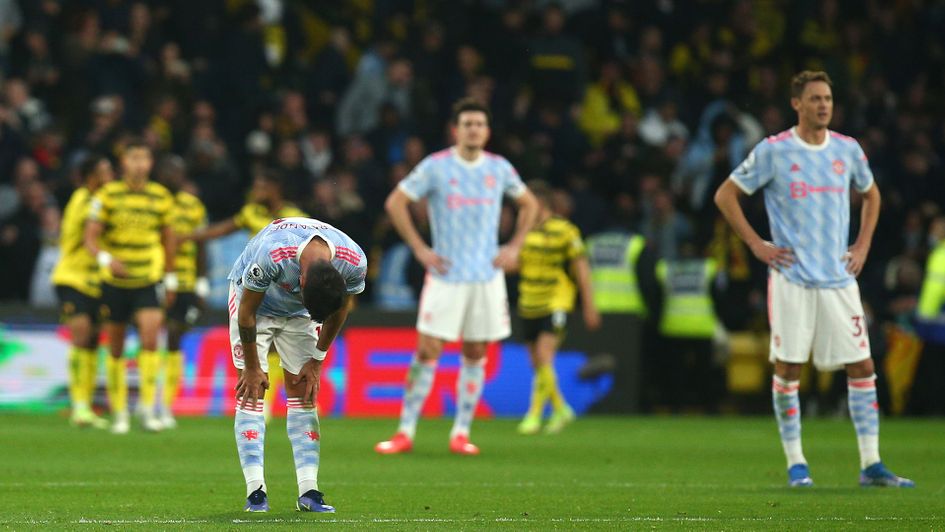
x=311, y=375
x=774, y=256
x=251, y=386
x=432, y=261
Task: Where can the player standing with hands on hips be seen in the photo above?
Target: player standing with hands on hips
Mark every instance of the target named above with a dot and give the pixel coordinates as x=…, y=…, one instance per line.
x=464, y=294
x=813, y=298
x=291, y=287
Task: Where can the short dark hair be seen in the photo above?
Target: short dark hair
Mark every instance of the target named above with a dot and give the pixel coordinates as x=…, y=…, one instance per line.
x=90, y=165
x=803, y=78
x=324, y=290
x=470, y=104
x=135, y=142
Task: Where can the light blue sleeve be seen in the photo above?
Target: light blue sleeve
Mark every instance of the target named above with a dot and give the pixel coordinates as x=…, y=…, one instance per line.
x=354, y=279
x=261, y=271
x=419, y=182
x=862, y=175
x=512, y=185
x=756, y=170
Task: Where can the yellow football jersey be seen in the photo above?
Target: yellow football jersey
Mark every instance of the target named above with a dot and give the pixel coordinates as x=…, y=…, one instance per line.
x=133, y=220
x=545, y=283
x=254, y=216
x=189, y=215
x=77, y=267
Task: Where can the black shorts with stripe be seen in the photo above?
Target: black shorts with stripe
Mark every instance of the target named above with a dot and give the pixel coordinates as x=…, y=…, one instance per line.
x=120, y=304
x=186, y=308
x=553, y=323
x=74, y=303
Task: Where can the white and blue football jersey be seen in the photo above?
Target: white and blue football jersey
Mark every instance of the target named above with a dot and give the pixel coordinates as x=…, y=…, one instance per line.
x=464, y=203
x=807, y=197
x=270, y=264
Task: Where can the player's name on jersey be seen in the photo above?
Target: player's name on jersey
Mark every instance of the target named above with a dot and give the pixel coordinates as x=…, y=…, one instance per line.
x=279, y=224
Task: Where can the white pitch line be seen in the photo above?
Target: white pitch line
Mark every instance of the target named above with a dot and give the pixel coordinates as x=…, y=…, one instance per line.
x=395, y=520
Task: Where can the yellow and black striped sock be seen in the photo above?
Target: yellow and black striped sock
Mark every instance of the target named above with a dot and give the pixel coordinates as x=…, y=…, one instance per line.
x=148, y=363
x=88, y=361
x=117, y=384
x=76, y=380
x=540, y=391
x=554, y=393
x=173, y=371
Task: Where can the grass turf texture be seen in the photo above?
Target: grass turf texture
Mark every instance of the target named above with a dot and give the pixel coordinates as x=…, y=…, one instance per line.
x=603, y=473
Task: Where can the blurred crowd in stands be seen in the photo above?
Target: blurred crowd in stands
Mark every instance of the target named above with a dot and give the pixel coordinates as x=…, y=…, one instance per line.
x=634, y=110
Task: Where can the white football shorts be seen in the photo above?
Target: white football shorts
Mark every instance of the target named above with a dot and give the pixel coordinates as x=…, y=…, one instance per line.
x=295, y=339
x=475, y=312
x=826, y=321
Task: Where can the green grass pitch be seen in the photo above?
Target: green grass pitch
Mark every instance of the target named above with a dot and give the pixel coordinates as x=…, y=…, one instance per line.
x=601, y=473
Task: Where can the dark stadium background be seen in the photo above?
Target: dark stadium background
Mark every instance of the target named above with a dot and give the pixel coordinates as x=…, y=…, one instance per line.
x=636, y=111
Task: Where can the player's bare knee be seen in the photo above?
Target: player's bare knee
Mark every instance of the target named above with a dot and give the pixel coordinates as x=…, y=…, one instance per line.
x=861, y=369
x=80, y=328
x=149, y=342
x=474, y=351
x=787, y=370
x=545, y=348
x=429, y=349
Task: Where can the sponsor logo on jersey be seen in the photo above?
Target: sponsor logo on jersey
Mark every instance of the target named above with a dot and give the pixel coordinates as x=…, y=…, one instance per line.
x=455, y=201
x=800, y=189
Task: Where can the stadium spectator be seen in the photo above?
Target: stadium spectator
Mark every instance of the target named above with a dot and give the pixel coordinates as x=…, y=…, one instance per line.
x=328, y=77
x=359, y=109
x=664, y=227
x=289, y=164
x=11, y=20
x=317, y=152
x=605, y=101
x=557, y=65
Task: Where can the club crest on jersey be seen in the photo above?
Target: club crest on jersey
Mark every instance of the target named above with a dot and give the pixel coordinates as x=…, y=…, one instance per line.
x=490, y=181
x=838, y=167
